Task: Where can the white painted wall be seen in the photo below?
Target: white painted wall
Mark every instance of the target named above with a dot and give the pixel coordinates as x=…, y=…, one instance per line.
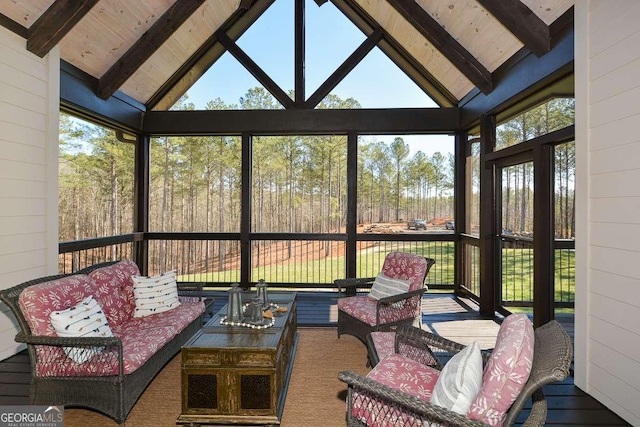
x=607, y=65
x=29, y=113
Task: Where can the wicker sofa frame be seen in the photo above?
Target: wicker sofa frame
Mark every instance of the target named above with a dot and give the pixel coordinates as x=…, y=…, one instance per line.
x=350, y=325
x=113, y=396
x=552, y=357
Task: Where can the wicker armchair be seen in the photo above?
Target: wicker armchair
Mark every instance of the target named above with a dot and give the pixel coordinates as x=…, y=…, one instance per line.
x=359, y=314
x=552, y=357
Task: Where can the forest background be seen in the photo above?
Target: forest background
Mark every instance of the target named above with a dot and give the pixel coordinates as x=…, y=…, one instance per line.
x=299, y=182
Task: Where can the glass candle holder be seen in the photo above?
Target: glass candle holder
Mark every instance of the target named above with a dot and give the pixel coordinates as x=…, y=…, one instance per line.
x=262, y=294
x=255, y=311
x=234, y=306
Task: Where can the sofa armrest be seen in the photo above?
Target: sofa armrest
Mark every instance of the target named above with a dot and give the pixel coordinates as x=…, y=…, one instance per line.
x=68, y=341
x=196, y=290
x=50, y=349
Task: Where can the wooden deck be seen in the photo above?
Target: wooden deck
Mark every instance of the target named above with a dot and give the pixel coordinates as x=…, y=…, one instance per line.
x=444, y=314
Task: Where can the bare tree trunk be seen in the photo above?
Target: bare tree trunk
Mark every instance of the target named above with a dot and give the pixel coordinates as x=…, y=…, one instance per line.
x=114, y=204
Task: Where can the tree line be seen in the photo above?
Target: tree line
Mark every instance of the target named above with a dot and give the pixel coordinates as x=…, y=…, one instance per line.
x=299, y=183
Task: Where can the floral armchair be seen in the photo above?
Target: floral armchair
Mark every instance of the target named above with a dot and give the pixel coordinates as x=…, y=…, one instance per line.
x=400, y=390
x=362, y=313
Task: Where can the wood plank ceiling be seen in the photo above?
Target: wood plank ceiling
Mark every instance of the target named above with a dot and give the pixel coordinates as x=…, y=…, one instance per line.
x=153, y=50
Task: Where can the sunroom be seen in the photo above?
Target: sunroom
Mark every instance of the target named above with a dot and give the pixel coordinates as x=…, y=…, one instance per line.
x=114, y=146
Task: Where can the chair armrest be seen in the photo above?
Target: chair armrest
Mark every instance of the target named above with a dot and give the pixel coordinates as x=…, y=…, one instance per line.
x=348, y=287
x=400, y=297
x=373, y=395
x=440, y=347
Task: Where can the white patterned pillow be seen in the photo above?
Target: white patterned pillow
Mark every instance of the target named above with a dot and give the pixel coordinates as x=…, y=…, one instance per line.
x=83, y=320
x=460, y=380
x=155, y=294
x=385, y=286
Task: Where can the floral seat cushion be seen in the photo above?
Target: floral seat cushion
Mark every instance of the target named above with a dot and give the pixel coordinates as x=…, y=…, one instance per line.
x=400, y=373
x=177, y=318
x=363, y=308
x=384, y=343
x=138, y=345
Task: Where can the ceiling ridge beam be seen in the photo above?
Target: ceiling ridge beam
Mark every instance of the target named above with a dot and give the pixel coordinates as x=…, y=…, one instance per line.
x=345, y=68
x=255, y=70
x=522, y=22
x=55, y=23
x=460, y=57
x=146, y=46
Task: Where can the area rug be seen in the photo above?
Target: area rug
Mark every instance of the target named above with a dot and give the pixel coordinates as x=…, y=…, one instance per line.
x=315, y=396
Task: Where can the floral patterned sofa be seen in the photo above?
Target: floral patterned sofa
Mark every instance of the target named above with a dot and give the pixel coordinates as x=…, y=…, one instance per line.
x=112, y=371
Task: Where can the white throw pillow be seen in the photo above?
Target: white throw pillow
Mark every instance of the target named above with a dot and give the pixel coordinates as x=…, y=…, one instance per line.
x=155, y=294
x=83, y=320
x=460, y=380
x=385, y=286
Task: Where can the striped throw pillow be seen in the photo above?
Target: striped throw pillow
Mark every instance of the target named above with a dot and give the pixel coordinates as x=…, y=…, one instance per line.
x=83, y=320
x=155, y=294
x=460, y=380
x=385, y=286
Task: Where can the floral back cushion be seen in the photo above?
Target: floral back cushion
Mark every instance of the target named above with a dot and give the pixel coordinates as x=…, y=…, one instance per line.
x=37, y=302
x=506, y=372
x=114, y=290
x=400, y=265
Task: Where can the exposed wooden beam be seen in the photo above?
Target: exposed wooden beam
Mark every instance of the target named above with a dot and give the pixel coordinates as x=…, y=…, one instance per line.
x=206, y=55
x=320, y=2
x=522, y=79
x=55, y=23
x=522, y=22
x=255, y=70
x=77, y=94
x=397, y=54
x=488, y=256
x=445, y=43
x=13, y=26
x=344, y=69
x=146, y=45
x=245, y=4
x=302, y=121
x=299, y=59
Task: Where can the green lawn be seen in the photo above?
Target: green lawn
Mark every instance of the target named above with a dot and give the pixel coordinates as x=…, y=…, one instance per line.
x=517, y=269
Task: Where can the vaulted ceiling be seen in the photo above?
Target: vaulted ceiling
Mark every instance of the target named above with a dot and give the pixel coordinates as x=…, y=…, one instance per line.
x=154, y=50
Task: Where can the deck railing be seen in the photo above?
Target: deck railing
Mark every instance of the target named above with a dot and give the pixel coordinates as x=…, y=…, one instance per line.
x=517, y=272
x=315, y=262
x=282, y=260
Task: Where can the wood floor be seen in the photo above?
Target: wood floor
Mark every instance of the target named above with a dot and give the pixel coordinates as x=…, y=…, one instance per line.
x=444, y=314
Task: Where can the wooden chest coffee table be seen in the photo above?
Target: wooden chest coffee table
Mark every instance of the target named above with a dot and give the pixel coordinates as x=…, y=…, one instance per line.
x=237, y=375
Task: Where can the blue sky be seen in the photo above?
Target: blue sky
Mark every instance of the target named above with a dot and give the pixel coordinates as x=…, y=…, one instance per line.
x=330, y=38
